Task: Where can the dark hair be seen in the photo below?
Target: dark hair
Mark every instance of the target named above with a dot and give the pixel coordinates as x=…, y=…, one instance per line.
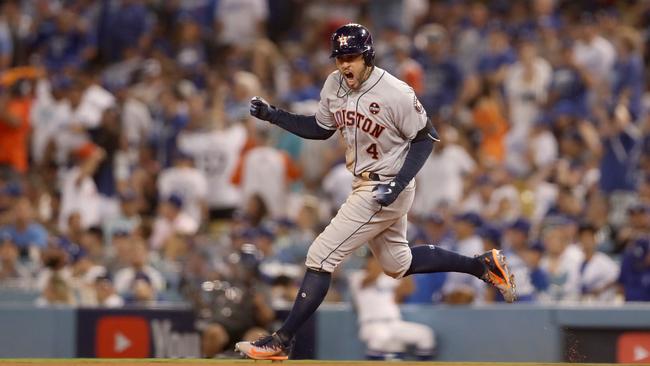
x=586, y=227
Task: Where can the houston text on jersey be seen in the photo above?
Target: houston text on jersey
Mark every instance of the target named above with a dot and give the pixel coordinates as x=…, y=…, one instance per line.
x=344, y=118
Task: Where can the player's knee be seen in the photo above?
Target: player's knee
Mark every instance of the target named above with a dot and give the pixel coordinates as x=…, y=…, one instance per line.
x=397, y=270
x=397, y=264
x=316, y=262
x=395, y=275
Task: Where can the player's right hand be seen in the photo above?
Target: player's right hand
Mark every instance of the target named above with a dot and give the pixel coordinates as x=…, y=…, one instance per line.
x=261, y=109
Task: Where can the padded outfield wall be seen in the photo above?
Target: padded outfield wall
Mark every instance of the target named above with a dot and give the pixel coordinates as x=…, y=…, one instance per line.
x=507, y=333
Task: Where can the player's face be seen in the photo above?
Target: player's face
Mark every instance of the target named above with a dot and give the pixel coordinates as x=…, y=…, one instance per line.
x=352, y=68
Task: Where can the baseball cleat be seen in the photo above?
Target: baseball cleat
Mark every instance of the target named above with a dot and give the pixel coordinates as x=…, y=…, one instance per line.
x=265, y=348
x=498, y=275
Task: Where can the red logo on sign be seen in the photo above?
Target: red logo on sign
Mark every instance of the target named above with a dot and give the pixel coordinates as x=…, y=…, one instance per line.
x=633, y=347
x=122, y=337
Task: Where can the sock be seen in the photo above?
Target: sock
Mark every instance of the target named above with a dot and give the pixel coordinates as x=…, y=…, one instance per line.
x=311, y=294
x=430, y=258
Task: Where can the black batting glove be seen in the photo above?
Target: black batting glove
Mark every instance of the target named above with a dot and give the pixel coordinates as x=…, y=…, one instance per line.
x=386, y=193
x=261, y=109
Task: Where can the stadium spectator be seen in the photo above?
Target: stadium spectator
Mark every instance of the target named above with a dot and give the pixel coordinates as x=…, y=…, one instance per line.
x=459, y=289
x=523, y=260
x=105, y=293
x=635, y=271
x=215, y=152
x=188, y=182
x=78, y=190
x=15, y=106
x=140, y=279
x=24, y=231
x=450, y=166
x=561, y=261
x=526, y=88
x=443, y=78
x=100, y=97
x=598, y=272
x=490, y=121
x=240, y=23
x=386, y=336
x=171, y=221
x=228, y=318
x=12, y=272
x=267, y=172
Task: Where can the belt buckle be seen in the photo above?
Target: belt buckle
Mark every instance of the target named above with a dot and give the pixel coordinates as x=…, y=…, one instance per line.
x=370, y=176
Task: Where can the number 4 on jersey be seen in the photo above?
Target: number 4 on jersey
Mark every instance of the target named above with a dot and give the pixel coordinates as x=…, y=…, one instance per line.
x=372, y=150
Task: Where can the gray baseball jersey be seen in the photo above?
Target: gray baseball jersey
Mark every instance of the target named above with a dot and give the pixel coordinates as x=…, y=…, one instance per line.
x=377, y=122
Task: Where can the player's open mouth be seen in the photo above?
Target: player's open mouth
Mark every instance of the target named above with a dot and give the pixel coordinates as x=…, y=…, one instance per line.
x=349, y=75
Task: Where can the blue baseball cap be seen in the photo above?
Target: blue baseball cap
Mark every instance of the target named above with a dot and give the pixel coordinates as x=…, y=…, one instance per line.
x=176, y=200
x=471, y=217
x=521, y=224
x=491, y=233
x=538, y=246
x=12, y=189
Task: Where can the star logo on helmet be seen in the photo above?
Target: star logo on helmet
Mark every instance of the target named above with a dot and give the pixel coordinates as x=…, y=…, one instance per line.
x=343, y=40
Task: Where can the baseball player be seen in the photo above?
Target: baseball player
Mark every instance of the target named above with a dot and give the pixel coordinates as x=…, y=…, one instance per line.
x=381, y=327
x=388, y=138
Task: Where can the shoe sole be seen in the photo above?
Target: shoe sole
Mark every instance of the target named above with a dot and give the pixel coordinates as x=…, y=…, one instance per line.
x=261, y=358
x=500, y=261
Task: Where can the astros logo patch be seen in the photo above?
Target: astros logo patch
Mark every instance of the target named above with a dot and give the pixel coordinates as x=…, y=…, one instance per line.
x=343, y=40
x=374, y=108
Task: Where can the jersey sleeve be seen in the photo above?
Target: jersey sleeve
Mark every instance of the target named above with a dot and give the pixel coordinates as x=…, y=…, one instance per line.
x=324, y=117
x=408, y=114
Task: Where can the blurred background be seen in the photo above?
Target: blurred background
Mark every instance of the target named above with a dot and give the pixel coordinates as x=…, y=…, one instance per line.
x=132, y=176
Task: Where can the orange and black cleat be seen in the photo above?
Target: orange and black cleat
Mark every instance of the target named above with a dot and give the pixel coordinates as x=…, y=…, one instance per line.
x=265, y=348
x=498, y=275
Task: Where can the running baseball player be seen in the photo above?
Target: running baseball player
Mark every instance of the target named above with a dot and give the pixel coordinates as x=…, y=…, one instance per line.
x=388, y=138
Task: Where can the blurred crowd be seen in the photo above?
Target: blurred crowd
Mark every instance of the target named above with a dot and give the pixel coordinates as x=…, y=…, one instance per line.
x=132, y=174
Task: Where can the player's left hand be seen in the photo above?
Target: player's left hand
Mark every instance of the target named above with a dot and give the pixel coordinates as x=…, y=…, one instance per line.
x=386, y=193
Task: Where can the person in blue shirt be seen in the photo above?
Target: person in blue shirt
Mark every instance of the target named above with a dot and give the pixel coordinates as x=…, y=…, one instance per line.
x=523, y=260
x=628, y=79
x=428, y=286
x=443, y=78
x=570, y=84
x=25, y=232
x=125, y=24
x=621, y=150
x=303, y=85
x=64, y=44
x=498, y=56
x=635, y=271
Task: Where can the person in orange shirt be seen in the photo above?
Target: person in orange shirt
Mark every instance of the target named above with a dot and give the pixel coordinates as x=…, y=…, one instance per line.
x=15, y=105
x=489, y=118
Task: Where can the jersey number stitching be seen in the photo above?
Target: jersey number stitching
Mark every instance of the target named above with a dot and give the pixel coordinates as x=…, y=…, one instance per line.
x=372, y=150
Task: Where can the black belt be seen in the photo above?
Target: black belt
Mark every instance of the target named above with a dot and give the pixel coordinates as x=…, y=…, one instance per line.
x=370, y=176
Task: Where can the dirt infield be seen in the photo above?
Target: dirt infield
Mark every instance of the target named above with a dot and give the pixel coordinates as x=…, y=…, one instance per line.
x=185, y=362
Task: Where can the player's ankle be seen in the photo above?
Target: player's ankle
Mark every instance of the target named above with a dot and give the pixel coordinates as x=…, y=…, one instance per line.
x=284, y=338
